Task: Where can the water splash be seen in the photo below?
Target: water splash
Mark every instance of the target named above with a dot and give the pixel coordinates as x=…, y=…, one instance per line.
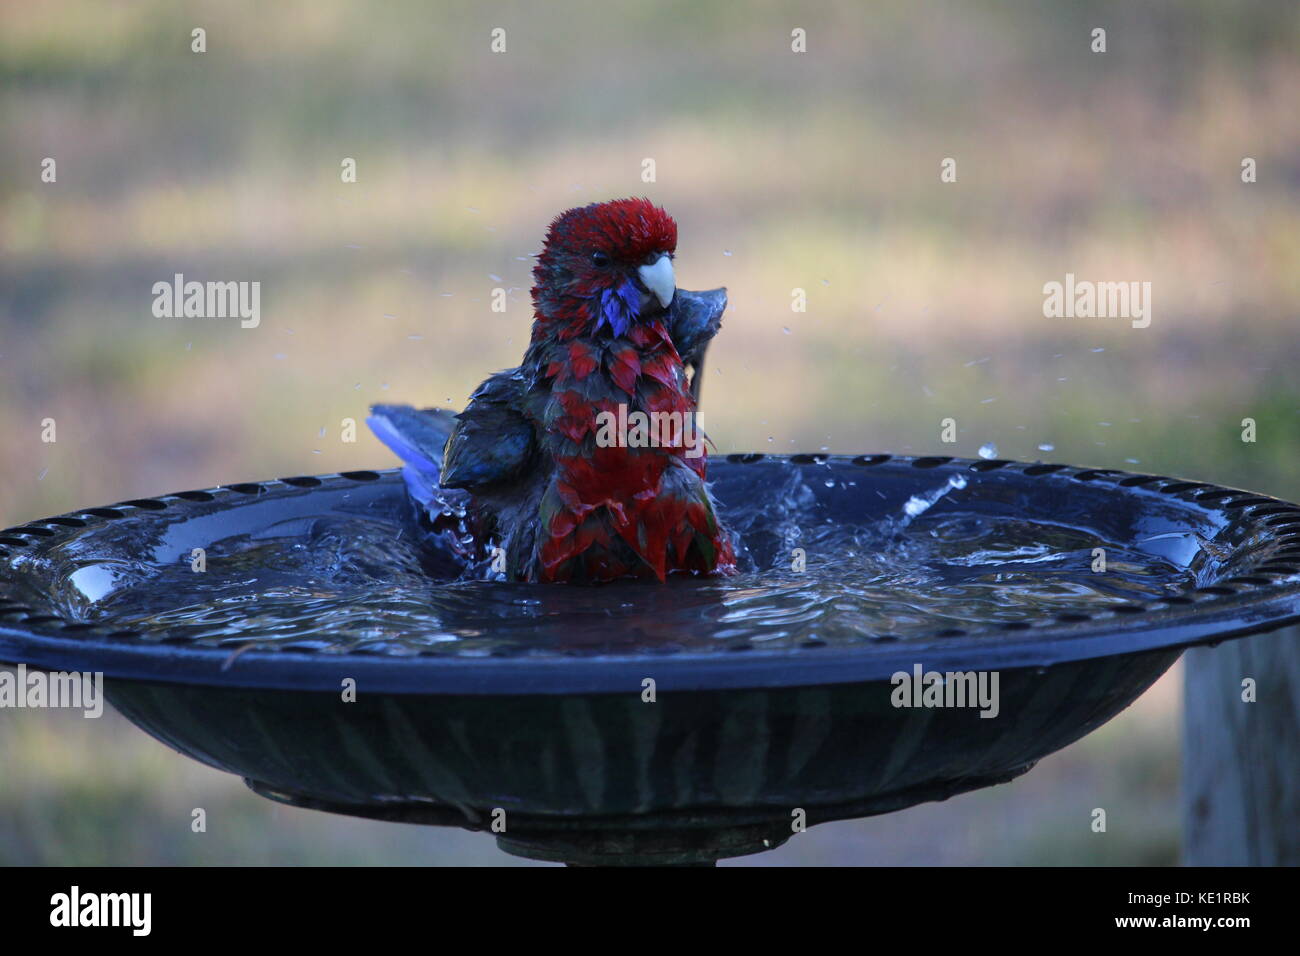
x=918, y=505
x=817, y=561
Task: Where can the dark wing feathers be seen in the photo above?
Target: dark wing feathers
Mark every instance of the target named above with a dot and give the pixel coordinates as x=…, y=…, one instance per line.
x=493, y=441
x=693, y=319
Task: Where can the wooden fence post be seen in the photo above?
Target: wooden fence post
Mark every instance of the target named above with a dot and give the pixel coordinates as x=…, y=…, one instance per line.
x=1241, y=761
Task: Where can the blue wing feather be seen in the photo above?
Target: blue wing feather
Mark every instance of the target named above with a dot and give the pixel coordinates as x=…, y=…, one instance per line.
x=417, y=436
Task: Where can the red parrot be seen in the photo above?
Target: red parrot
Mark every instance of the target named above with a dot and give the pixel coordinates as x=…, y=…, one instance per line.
x=556, y=479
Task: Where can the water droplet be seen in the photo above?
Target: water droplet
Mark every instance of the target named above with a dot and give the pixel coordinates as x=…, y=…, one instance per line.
x=988, y=450
x=1047, y=446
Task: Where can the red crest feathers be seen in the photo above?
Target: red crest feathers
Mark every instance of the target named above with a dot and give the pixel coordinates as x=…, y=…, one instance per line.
x=628, y=229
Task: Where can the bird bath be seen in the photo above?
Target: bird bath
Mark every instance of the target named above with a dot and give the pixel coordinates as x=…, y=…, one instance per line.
x=639, y=722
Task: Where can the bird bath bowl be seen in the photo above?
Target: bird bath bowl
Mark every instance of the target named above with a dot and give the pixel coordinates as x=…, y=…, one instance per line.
x=647, y=723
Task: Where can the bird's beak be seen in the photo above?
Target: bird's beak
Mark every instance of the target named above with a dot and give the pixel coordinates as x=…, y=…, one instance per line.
x=659, y=279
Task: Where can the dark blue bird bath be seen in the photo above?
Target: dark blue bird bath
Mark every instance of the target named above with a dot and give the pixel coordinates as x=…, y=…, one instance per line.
x=480, y=704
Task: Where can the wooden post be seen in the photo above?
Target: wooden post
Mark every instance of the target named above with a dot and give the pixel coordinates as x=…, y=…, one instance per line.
x=1241, y=761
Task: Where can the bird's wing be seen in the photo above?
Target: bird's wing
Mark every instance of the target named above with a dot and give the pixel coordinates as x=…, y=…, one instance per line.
x=493, y=440
x=693, y=319
x=417, y=435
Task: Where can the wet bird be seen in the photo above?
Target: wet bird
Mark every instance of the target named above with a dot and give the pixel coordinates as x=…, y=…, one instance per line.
x=554, y=483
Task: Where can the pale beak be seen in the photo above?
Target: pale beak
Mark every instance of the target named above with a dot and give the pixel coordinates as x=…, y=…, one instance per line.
x=659, y=279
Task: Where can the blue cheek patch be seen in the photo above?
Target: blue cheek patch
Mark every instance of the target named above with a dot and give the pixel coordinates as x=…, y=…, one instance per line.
x=619, y=307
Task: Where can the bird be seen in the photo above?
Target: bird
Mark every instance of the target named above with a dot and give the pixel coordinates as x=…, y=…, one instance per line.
x=541, y=468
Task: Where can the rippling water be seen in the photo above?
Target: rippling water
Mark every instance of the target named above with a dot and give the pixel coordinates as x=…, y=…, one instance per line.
x=339, y=582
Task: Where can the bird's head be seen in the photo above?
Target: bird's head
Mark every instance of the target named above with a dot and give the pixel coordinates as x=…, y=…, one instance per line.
x=606, y=264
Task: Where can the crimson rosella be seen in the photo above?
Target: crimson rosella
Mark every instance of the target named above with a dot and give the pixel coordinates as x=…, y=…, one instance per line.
x=583, y=464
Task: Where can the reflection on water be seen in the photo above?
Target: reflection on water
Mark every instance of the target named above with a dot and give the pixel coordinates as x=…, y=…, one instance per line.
x=343, y=582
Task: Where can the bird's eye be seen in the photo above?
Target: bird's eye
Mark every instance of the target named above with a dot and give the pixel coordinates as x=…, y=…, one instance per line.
x=599, y=258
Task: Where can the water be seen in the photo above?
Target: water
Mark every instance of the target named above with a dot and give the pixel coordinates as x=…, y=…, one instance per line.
x=370, y=581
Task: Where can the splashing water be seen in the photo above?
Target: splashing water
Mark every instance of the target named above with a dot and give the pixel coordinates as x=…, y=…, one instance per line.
x=339, y=582
x=918, y=505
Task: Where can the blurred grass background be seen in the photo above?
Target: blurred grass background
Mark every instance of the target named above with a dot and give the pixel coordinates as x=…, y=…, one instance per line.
x=817, y=170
